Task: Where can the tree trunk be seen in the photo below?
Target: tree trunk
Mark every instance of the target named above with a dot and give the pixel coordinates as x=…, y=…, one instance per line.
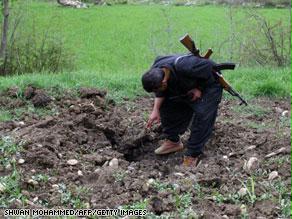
x=290, y=33
x=4, y=29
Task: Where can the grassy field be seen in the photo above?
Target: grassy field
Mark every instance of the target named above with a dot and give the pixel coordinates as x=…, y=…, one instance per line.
x=251, y=82
x=114, y=45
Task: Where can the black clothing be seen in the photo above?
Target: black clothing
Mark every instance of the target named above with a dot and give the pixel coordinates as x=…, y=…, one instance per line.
x=189, y=72
x=177, y=115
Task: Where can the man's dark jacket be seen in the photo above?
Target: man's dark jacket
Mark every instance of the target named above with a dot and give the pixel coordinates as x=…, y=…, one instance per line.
x=187, y=72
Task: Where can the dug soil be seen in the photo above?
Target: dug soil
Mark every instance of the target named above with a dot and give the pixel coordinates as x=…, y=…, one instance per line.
x=87, y=151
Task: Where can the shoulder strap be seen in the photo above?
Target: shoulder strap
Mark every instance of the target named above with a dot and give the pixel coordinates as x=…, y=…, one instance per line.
x=178, y=58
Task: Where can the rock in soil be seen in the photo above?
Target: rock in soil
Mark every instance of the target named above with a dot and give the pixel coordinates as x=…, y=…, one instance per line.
x=2, y=188
x=273, y=175
x=21, y=161
x=242, y=192
x=114, y=163
x=72, y=162
x=252, y=164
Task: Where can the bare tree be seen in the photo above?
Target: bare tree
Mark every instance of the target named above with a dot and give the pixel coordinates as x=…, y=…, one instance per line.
x=290, y=34
x=4, y=29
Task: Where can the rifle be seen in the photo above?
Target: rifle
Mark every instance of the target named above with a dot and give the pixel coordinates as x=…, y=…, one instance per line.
x=190, y=45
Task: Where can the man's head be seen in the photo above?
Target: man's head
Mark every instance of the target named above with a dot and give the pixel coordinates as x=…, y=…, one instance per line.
x=152, y=80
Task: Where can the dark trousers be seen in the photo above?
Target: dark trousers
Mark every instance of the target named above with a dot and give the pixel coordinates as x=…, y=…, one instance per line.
x=177, y=115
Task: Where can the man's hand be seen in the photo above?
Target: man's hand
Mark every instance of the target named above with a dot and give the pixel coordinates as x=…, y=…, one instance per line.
x=195, y=93
x=154, y=117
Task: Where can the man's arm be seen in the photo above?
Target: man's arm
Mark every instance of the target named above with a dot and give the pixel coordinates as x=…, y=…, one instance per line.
x=155, y=115
x=157, y=103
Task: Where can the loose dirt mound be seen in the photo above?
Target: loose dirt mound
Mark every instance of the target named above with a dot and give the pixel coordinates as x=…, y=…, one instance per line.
x=98, y=155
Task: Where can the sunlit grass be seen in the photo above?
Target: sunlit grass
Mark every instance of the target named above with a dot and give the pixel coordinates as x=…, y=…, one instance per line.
x=115, y=45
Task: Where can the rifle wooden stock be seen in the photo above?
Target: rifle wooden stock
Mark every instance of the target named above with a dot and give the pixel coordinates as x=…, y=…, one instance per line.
x=208, y=53
x=190, y=45
x=187, y=41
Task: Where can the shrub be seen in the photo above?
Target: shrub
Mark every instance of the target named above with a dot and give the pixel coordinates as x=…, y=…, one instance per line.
x=34, y=53
x=31, y=49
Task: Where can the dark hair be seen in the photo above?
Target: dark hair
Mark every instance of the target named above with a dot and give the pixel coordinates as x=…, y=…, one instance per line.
x=152, y=79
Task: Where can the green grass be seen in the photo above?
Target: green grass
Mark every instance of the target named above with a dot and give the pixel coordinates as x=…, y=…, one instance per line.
x=119, y=85
x=115, y=45
x=247, y=81
x=126, y=38
x=250, y=110
x=261, y=81
x=73, y=197
x=7, y=149
x=137, y=205
x=5, y=115
x=275, y=191
x=10, y=183
x=16, y=113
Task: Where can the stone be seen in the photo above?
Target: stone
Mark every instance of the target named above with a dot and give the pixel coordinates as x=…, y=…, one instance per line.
x=8, y=167
x=273, y=175
x=72, y=162
x=251, y=164
x=21, y=161
x=150, y=181
x=279, y=151
x=97, y=170
x=242, y=192
x=55, y=186
x=32, y=182
x=285, y=113
x=251, y=147
x=30, y=203
x=21, y=123
x=145, y=187
x=17, y=202
x=176, y=186
x=114, y=163
x=79, y=173
x=2, y=188
x=179, y=174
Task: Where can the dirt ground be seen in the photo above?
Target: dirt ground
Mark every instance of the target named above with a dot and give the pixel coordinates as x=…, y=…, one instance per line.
x=89, y=152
